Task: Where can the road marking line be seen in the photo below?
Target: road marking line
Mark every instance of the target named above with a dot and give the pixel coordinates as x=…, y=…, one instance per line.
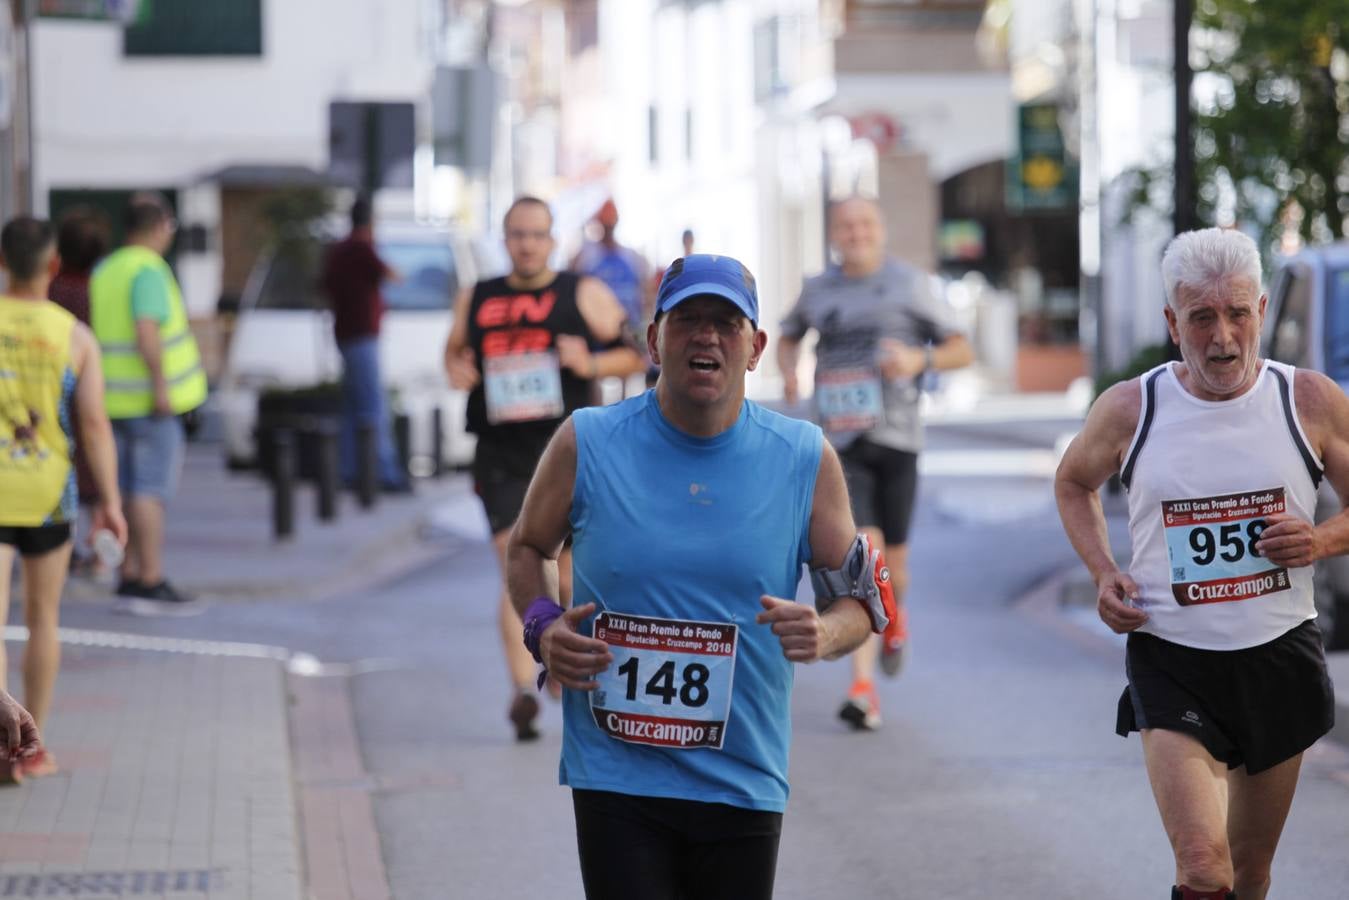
x=297, y=662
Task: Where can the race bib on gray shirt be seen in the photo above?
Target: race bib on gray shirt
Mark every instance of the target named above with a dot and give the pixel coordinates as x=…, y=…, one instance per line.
x=851, y=315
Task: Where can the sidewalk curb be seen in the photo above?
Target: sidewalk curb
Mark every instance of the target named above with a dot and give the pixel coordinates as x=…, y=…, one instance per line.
x=1046, y=600
x=390, y=555
x=342, y=851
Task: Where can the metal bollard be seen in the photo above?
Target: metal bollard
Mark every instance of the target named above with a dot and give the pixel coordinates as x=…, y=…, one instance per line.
x=437, y=443
x=402, y=442
x=325, y=477
x=367, y=465
x=283, y=484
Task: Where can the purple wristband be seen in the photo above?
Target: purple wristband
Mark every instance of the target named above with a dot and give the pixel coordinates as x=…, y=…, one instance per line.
x=543, y=612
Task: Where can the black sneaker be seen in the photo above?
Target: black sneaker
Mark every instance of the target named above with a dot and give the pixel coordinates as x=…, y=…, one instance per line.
x=159, y=600
x=129, y=588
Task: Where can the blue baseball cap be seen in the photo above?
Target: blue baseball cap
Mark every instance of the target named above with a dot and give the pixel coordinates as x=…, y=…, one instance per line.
x=701, y=274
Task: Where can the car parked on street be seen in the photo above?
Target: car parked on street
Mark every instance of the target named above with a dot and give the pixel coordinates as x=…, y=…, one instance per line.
x=283, y=340
x=1307, y=325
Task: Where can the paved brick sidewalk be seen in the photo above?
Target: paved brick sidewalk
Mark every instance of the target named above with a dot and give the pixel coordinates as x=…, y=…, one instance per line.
x=218, y=540
x=176, y=782
x=192, y=769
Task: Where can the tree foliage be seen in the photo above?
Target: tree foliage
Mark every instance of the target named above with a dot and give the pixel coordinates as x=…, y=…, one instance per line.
x=1279, y=132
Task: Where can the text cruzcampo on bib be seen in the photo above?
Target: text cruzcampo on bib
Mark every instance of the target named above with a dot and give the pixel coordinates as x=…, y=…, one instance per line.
x=1211, y=545
x=670, y=682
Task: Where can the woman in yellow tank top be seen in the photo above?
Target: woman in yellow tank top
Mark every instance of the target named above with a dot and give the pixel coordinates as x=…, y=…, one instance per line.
x=46, y=359
x=36, y=384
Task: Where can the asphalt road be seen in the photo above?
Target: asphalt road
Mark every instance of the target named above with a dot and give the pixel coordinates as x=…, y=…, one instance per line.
x=997, y=772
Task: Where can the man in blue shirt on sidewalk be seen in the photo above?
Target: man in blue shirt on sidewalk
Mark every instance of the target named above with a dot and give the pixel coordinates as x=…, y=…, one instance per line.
x=692, y=511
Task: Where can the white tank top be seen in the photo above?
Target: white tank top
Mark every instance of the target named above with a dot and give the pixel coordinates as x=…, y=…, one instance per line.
x=1201, y=476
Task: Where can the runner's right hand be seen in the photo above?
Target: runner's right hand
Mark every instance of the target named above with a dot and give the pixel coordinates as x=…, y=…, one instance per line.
x=462, y=369
x=18, y=731
x=109, y=516
x=1114, y=593
x=898, y=360
x=571, y=657
x=163, y=406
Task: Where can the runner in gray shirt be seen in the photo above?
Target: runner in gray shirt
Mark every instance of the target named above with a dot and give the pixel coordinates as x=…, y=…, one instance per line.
x=880, y=329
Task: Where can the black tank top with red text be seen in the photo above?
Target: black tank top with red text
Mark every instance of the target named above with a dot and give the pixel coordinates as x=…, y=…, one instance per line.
x=505, y=322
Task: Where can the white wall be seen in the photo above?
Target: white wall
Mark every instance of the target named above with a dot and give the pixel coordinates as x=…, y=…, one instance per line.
x=957, y=119
x=750, y=188
x=678, y=60
x=1136, y=115
x=106, y=120
x=117, y=121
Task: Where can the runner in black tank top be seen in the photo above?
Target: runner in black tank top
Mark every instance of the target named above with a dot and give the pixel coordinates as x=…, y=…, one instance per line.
x=529, y=349
x=509, y=322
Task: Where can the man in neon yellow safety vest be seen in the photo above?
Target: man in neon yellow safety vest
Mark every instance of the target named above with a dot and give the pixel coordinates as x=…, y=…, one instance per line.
x=153, y=375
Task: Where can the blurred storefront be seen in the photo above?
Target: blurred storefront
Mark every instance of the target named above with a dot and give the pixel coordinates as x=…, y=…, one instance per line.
x=222, y=106
x=689, y=114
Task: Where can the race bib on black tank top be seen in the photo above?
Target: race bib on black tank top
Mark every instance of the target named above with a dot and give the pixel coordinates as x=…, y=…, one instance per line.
x=513, y=334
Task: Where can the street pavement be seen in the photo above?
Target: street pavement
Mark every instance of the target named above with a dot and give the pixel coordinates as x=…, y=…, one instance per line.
x=333, y=725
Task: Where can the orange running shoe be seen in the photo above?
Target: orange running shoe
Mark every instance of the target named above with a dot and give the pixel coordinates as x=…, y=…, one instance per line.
x=894, y=639
x=862, y=709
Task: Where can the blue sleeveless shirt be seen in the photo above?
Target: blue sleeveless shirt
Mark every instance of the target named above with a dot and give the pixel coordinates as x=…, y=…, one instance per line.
x=676, y=527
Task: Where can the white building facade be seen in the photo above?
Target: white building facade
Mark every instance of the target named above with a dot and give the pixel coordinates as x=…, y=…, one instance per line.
x=107, y=120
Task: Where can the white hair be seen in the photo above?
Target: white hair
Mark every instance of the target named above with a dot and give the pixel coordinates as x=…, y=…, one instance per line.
x=1201, y=260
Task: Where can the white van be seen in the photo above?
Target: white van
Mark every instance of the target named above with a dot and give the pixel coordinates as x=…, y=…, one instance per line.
x=283, y=338
x=1307, y=325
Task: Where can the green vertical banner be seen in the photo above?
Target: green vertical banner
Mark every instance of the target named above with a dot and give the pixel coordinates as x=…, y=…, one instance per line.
x=1041, y=176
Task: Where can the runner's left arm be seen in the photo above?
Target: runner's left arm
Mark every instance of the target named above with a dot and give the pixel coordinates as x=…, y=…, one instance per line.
x=806, y=634
x=531, y=565
x=1323, y=410
x=605, y=318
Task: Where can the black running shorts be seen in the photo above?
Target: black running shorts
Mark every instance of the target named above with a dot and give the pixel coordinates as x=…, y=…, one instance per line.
x=502, y=469
x=655, y=848
x=1255, y=707
x=882, y=483
x=37, y=540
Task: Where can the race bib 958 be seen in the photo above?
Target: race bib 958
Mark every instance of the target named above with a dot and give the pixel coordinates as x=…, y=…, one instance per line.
x=1211, y=545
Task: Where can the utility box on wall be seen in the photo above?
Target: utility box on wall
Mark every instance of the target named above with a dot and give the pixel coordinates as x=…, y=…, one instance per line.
x=463, y=116
x=370, y=145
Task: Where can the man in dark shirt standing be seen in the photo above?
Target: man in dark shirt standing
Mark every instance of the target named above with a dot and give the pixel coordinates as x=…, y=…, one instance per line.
x=352, y=274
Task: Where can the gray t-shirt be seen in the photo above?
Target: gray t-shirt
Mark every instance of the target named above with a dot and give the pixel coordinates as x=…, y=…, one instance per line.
x=852, y=398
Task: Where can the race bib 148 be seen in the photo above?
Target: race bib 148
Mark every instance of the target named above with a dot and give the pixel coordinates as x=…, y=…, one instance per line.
x=1211, y=545
x=670, y=681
